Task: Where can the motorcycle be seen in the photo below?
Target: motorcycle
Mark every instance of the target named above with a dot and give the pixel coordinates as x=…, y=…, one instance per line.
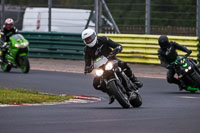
x=187, y=72
x=117, y=83
x=17, y=54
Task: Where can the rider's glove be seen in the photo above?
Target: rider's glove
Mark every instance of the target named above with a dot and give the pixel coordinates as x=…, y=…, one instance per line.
x=88, y=69
x=168, y=66
x=188, y=53
x=112, y=54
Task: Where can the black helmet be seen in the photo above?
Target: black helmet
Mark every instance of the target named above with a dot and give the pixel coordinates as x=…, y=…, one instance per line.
x=163, y=41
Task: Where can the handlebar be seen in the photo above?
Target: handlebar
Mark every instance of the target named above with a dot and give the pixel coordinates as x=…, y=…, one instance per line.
x=188, y=54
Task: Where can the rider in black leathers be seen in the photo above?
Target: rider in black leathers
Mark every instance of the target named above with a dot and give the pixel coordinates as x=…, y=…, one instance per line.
x=8, y=30
x=167, y=54
x=97, y=46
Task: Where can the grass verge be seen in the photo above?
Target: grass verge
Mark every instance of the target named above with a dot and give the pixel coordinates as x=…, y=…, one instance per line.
x=22, y=96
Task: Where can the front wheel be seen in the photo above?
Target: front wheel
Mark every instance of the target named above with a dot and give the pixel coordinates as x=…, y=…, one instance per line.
x=115, y=90
x=24, y=64
x=6, y=67
x=196, y=78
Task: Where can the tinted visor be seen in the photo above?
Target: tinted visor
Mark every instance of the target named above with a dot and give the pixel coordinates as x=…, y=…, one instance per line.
x=90, y=38
x=8, y=26
x=164, y=44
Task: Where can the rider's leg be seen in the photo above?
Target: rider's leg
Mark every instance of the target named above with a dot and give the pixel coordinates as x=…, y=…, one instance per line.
x=4, y=50
x=130, y=74
x=3, y=53
x=171, y=79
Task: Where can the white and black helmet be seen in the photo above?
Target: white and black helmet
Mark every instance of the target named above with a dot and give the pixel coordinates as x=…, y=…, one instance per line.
x=9, y=23
x=89, y=37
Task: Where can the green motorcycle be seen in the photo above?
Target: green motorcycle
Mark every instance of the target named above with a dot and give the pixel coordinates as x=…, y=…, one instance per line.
x=187, y=72
x=16, y=55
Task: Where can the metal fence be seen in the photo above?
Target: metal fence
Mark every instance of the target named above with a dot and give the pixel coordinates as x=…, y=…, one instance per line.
x=55, y=45
x=165, y=17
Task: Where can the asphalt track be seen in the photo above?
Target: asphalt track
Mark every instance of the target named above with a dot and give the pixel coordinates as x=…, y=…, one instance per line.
x=164, y=109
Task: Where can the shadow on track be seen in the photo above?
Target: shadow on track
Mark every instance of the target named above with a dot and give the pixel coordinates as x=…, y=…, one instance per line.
x=181, y=92
x=107, y=108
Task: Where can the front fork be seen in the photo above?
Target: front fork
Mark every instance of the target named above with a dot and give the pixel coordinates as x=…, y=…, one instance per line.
x=113, y=77
x=129, y=88
x=123, y=83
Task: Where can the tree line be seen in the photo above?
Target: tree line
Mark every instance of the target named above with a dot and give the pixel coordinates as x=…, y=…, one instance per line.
x=132, y=12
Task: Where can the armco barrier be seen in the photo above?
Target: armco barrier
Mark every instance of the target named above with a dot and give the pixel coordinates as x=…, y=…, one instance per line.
x=136, y=48
x=144, y=48
x=55, y=45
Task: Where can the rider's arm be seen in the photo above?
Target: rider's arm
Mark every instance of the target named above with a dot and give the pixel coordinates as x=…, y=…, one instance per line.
x=3, y=36
x=116, y=47
x=182, y=48
x=163, y=61
x=88, y=60
x=15, y=30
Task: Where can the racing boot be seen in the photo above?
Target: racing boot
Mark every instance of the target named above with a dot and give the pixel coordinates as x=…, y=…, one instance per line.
x=182, y=86
x=2, y=59
x=132, y=77
x=136, y=82
x=111, y=98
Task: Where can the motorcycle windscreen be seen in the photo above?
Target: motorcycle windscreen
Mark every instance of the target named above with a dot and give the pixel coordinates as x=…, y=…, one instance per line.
x=18, y=37
x=100, y=61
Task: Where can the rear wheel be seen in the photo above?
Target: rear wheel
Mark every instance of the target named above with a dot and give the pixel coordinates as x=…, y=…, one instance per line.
x=136, y=101
x=24, y=64
x=118, y=94
x=193, y=91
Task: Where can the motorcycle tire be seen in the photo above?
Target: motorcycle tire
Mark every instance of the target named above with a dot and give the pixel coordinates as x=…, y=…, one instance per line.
x=136, y=102
x=24, y=64
x=118, y=94
x=6, y=67
x=196, y=78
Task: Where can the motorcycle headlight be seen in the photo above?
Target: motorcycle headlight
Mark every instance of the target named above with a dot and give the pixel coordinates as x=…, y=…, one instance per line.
x=186, y=70
x=109, y=66
x=26, y=44
x=17, y=45
x=99, y=72
x=181, y=61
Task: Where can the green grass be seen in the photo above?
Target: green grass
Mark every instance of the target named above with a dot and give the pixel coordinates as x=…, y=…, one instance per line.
x=20, y=96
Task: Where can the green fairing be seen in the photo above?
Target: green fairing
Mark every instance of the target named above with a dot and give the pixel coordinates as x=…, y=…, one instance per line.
x=15, y=39
x=16, y=42
x=22, y=54
x=185, y=65
x=98, y=59
x=189, y=88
